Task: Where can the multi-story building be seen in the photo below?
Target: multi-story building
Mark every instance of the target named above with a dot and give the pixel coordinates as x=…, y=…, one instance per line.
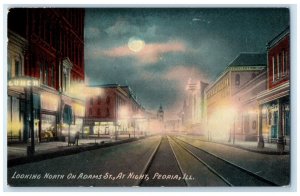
x=274, y=103
x=114, y=111
x=245, y=123
x=192, y=113
x=45, y=51
x=220, y=106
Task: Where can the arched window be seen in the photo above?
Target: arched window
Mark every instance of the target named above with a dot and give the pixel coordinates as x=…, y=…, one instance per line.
x=237, y=79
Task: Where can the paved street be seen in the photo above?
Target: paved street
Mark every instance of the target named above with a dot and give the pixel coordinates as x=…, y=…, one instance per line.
x=156, y=161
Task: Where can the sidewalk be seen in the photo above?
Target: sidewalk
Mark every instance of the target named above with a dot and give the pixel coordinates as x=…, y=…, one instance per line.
x=17, y=153
x=269, y=148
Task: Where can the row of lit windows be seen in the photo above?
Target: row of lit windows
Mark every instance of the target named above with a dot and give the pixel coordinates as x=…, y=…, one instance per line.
x=280, y=65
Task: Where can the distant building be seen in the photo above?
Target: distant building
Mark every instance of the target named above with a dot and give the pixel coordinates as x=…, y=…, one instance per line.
x=45, y=46
x=192, y=113
x=274, y=103
x=221, y=108
x=114, y=111
x=160, y=114
x=192, y=103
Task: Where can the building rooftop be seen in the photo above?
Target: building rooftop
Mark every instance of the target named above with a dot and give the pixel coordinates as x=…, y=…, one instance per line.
x=277, y=38
x=249, y=59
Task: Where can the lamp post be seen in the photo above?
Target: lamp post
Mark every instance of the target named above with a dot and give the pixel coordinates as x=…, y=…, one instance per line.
x=262, y=111
x=31, y=151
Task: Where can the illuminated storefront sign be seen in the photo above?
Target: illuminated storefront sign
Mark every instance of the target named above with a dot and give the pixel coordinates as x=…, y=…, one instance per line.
x=23, y=82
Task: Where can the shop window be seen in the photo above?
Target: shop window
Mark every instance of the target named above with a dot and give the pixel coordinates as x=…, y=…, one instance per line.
x=237, y=79
x=270, y=118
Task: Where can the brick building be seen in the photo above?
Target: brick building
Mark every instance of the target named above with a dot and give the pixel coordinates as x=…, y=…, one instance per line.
x=274, y=103
x=114, y=111
x=45, y=45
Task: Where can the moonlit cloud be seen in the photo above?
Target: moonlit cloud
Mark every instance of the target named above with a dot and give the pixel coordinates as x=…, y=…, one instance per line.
x=150, y=54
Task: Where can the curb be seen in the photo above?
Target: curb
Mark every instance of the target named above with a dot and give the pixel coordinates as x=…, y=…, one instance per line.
x=65, y=152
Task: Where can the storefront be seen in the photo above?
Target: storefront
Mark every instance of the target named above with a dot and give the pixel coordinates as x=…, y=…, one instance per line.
x=15, y=119
x=276, y=120
x=49, y=116
x=23, y=109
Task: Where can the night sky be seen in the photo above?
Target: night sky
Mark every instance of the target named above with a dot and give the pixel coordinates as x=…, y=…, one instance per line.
x=169, y=46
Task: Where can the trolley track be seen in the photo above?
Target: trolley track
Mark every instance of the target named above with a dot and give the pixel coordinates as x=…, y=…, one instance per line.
x=230, y=173
x=162, y=162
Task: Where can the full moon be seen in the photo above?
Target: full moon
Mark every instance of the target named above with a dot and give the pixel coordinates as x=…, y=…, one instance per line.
x=136, y=44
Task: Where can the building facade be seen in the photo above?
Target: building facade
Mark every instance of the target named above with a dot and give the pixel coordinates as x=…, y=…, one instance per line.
x=45, y=45
x=114, y=111
x=245, y=125
x=221, y=109
x=274, y=103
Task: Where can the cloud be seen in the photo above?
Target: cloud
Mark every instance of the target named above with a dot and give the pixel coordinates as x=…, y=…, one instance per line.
x=93, y=32
x=150, y=54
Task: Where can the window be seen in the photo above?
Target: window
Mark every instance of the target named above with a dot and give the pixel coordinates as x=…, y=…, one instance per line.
x=52, y=76
x=46, y=74
x=280, y=70
x=237, y=79
x=274, y=67
x=91, y=101
x=277, y=65
x=107, y=112
x=286, y=62
x=41, y=72
x=99, y=100
x=107, y=99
